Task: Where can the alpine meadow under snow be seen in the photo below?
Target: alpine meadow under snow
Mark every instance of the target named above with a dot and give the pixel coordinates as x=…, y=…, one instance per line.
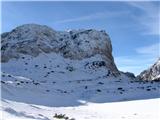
x=71, y=75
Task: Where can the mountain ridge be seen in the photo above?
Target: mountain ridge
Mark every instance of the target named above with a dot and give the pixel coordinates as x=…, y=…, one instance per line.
x=152, y=73
x=33, y=39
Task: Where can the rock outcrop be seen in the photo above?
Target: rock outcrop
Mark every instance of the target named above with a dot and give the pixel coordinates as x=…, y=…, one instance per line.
x=129, y=74
x=33, y=39
x=153, y=73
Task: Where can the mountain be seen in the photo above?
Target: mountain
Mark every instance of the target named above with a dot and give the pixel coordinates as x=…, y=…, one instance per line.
x=46, y=73
x=33, y=39
x=152, y=73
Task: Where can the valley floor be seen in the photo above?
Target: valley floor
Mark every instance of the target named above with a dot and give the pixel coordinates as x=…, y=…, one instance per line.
x=138, y=109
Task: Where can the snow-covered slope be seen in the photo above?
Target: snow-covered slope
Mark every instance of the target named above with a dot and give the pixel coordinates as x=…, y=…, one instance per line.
x=51, y=75
x=48, y=72
x=152, y=73
x=129, y=110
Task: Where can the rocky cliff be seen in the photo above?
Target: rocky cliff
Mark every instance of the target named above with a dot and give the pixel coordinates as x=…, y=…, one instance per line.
x=33, y=39
x=153, y=73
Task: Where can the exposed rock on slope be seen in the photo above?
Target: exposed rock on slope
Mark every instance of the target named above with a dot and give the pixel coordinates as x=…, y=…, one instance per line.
x=32, y=39
x=153, y=73
x=129, y=74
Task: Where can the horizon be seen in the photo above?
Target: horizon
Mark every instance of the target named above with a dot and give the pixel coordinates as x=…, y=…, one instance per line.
x=132, y=26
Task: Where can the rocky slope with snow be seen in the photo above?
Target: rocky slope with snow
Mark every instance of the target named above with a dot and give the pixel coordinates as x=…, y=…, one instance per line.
x=152, y=73
x=32, y=39
x=50, y=73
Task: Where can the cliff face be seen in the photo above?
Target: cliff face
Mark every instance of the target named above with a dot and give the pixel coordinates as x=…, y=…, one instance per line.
x=153, y=73
x=32, y=39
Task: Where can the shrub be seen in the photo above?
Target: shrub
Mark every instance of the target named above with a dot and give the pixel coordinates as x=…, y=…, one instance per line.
x=3, y=75
x=60, y=116
x=119, y=88
x=64, y=91
x=100, y=83
x=154, y=88
x=69, y=68
x=98, y=90
x=148, y=89
x=9, y=75
x=36, y=65
x=47, y=90
x=2, y=82
x=18, y=83
x=35, y=83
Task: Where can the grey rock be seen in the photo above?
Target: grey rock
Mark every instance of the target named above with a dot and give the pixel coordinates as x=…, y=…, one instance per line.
x=33, y=39
x=152, y=73
x=129, y=74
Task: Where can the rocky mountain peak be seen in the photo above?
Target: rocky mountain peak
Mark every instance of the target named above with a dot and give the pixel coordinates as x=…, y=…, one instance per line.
x=33, y=39
x=153, y=73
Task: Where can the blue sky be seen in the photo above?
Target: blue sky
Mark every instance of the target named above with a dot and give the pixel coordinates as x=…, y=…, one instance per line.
x=132, y=26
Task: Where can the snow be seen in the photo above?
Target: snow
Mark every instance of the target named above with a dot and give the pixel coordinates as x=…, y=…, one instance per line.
x=140, y=109
x=86, y=92
x=50, y=61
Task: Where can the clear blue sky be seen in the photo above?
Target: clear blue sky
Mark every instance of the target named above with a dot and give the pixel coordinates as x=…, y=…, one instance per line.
x=132, y=26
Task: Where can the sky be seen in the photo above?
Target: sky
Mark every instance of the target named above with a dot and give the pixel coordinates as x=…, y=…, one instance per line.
x=133, y=27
